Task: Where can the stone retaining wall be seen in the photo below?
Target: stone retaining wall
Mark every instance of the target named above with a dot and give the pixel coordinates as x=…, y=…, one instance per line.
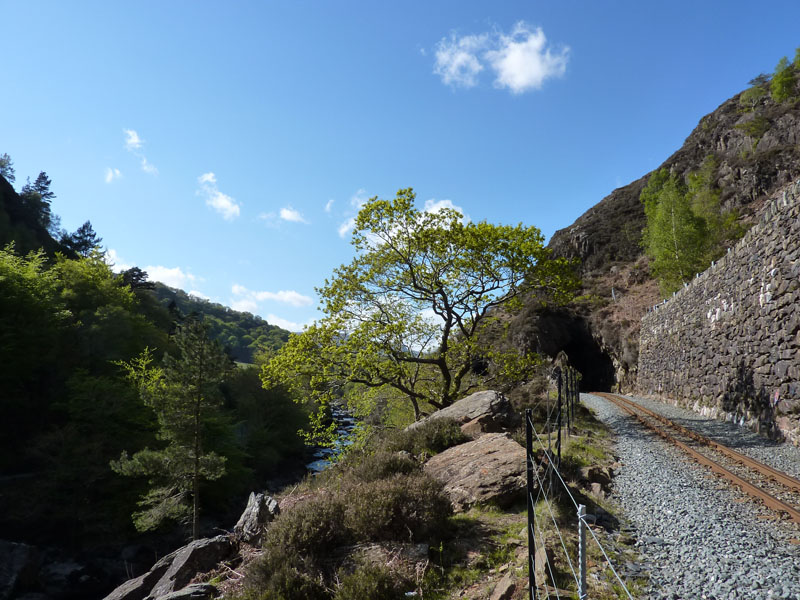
x=728, y=344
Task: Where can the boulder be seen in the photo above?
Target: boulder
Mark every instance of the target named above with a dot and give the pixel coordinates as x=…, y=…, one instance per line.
x=487, y=411
x=19, y=564
x=197, y=557
x=195, y=591
x=260, y=510
x=174, y=571
x=504, y=590
x=489, y=469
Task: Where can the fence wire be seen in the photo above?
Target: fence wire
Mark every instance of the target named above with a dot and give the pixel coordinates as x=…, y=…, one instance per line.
x=566, y=381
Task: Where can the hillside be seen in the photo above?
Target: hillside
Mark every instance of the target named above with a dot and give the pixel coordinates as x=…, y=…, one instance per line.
x=241, y=333
x=755, y=142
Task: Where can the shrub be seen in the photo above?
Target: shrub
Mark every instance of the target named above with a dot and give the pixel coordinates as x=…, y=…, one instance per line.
x=371, y=582
x=310, y=528
x=380, y=465
x=403, y=507
x=432, y=437
x=277, y=577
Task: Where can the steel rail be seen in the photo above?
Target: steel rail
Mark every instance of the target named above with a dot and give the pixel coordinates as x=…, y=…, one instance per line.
x=780, y=477
x=745, y=485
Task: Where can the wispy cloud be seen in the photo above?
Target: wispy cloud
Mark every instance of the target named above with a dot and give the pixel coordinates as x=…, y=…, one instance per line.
x=222, y=203
x=329, y=205
x=132, y=139
x=521, y=60
x=293, y=216
x=134, y=145
x=357, y=200
x=290, y=297
x=457, y=61
x=112, y=174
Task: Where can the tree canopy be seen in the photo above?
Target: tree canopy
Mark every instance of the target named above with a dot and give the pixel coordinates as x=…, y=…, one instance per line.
x=408, y=312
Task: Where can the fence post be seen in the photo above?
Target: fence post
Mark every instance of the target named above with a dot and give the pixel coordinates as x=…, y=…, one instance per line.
x=558, y=422
x=531, y=507
x=582, y=552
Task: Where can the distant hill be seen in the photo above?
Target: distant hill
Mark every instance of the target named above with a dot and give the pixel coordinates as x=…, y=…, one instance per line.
x=755, y=143
x=242, y=333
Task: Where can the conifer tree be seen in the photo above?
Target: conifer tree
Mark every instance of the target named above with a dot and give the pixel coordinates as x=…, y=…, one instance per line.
x=185, y=395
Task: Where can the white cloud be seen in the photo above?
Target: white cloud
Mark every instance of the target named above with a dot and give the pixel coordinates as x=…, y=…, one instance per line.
x=346, y=227
x=289, y=325
x=117, y=264
x=289, y=214
x=133, y=144
x=521, y=60
x=171, y=276
x=148, y=167
x=112, y=174
x=289, y=297
x=200, y=295
x=245, y=305
x=457, y=61
x=222, y=203
x=329, y=205
x=132, y=139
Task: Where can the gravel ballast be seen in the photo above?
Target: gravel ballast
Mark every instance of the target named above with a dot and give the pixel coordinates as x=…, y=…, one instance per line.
x=698, y=537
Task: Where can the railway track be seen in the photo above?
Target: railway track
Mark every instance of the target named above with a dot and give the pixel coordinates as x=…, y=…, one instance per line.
x=776, y=490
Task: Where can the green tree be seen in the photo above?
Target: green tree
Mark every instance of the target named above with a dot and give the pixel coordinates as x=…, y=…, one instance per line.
x=750, y=98
x=83, y=241
x=408, y=312
x=674, y=238
x=7, y=168
x=185, y=395
x=782, y=86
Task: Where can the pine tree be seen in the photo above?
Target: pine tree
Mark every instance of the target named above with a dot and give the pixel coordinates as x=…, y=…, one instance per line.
x=83, y=241
x=185, y=395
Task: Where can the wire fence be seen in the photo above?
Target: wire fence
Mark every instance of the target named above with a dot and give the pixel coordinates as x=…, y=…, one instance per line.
x=545, y=488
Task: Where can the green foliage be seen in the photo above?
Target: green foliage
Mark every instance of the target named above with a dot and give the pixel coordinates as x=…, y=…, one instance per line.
x=404, y=507
x=83, y=241
x=408, y=311
x=784, y=83
x=372, y=582
x=185, y=396
x=751, y=98
x=242, y=334
x=686, y=228
x=7, y=168
x=427, y=439
x=755, y=127
x=310, y=529
x=368, y=467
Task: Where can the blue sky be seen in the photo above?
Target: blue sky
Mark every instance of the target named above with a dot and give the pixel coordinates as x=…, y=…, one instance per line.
x=223, y=147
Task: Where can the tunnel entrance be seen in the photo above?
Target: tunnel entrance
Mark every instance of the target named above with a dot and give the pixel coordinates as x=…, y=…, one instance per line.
x=550, y=332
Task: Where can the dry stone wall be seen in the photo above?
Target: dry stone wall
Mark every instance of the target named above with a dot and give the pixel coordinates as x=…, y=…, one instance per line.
x=728, y=344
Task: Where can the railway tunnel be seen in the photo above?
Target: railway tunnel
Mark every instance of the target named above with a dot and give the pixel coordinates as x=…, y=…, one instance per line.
x=552, y=331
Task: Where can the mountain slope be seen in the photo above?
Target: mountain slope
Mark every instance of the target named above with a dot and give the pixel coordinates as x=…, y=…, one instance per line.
x=756, y=146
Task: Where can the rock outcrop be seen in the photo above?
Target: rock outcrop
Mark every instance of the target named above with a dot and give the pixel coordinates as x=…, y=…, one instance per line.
x=486, y=411
x=490, y=469
x=173, y=572
x=260, y=510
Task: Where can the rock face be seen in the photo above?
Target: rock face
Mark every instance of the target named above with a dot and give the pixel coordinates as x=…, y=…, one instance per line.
x=489, y=469
x=728, y=344
x=176, y=570
x=19, y=564
x=483, y=411
x=260, y=510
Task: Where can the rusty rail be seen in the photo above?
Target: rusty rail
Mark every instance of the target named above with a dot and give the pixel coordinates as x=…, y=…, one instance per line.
x=749, y=488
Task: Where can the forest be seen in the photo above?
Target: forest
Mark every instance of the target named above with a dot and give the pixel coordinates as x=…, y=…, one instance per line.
x=69, y=328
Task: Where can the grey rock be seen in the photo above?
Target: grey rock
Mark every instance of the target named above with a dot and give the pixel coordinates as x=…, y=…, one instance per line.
x=489, y=469
x=504, y=589
x=489, y=411
x=260, y=510
x=196, y=557
x=195, y=591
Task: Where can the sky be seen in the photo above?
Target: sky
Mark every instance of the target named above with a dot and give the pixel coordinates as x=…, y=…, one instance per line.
x=225, y=147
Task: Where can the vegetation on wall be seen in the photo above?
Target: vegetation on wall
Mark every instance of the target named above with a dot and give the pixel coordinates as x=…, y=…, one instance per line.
x=686, y=226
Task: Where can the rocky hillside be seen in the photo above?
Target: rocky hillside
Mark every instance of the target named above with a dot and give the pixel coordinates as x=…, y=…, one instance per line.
x=756, y=143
